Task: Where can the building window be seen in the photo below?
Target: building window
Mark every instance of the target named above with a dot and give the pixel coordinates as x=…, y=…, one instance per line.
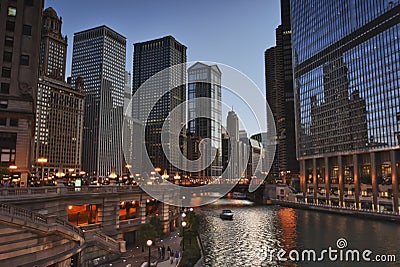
x=9, y=41
x=24, y=60
x=3, y=104
x=7, y=155
x=14, y=122
x=7, y=56
x=6, y=72
x=27, y=30
x=5, y=88
x=29, y=2
x=12, y=11
x=10, y=25
x=3, y=121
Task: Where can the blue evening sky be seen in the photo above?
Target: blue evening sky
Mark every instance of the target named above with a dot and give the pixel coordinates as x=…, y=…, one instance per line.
x=232, y=32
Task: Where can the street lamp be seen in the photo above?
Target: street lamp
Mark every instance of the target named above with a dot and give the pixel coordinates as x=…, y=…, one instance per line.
x=42, y=161
x=183, y=215
x=183, y=235
x=149, y=243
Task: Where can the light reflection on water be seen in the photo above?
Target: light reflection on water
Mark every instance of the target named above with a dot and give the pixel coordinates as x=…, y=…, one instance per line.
x=255, y=229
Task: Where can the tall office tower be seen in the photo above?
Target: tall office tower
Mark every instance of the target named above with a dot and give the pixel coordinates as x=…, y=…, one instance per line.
x=279, y=92
x=238, y=151
x=99, y=58
x=205, y=117
x=128, y=95
x=262, y=139
x=59, y=109
x=150, y=58
x=347, y=95
x=19, y=63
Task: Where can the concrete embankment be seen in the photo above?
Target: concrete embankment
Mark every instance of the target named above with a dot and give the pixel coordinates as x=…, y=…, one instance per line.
x=342, y=211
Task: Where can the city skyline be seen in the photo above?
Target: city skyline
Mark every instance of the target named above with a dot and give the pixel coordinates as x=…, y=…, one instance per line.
x=241, y=25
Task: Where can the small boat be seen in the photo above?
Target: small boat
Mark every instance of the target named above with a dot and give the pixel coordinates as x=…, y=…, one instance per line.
x=238, y=195
x=226, y=215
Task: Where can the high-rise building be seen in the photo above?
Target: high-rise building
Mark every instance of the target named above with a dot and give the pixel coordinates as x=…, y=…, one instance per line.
x=149, y=58
x=346, y=62
x=279, y=92
x=128, y=95
x=235, y=164
x=59, y=109
x=205, y=117
x=99, y=56
x=19, y=62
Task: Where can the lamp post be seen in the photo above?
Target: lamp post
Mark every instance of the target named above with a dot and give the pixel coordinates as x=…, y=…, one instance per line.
x=42, y=161
x=149, y=243
x=183, y=235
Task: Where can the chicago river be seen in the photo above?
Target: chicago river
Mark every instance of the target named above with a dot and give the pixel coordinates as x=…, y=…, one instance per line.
x=257, y=233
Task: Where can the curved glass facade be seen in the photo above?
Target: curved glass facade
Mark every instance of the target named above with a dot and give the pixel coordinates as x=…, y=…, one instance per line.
x=347, y=75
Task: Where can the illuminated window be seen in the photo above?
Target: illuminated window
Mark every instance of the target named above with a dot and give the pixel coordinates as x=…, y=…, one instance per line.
x=12, y=11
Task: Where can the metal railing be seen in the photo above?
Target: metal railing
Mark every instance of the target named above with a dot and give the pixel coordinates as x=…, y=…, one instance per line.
x=66, y=190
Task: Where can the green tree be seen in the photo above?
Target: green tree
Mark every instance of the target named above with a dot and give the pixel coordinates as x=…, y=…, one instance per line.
x=158, y=226
x=146, y=232
x=4, y=172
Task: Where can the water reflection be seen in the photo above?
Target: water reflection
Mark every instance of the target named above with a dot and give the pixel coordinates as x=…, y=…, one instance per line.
x=256, y=230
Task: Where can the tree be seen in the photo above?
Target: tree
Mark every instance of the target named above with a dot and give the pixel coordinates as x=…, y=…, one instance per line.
x=4, y=172
x=146, y=232
x=158, y=226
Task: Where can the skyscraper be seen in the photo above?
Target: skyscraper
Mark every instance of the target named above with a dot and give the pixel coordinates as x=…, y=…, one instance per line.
x=346, y=62
x=99, y=58
x=149, y=58
x=19, y=61
x=59, y=109
x=279, y=92
x=205, y=118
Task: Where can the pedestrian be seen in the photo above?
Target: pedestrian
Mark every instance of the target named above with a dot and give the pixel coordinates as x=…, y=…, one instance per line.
x=163, y=252
x=159, y=252
x=168, y=250
x=176, y=257
x=171, y=257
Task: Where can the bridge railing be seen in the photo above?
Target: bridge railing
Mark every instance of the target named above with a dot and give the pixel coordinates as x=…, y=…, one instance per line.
x=65, y=190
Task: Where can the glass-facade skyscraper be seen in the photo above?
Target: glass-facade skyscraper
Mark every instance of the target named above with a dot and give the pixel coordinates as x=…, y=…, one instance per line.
x=149, y=58
x=347, y=101
x=279, y=95
x=99, y=56
x=205, y=119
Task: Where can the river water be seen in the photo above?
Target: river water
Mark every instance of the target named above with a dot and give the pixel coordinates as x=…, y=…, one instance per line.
x=248, y=240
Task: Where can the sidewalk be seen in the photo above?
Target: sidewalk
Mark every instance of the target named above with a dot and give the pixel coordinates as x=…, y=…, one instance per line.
x=136, y=257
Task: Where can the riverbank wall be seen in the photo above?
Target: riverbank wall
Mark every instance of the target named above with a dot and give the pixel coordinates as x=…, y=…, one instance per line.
x=339, y=210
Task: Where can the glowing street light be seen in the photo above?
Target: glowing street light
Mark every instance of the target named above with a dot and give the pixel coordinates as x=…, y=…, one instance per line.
x=149, y=243
x=42, y=161
x=183, y=235
x=165, y=175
